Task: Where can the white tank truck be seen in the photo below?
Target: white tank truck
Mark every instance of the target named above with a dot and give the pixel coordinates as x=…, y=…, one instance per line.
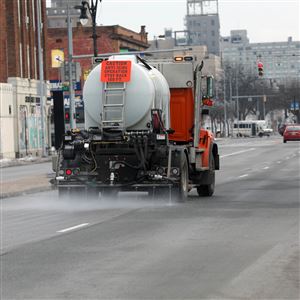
x=127, y=143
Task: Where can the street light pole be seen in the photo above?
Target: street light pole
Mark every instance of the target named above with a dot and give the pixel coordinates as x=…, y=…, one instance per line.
x=70, y=60
x=84, y=19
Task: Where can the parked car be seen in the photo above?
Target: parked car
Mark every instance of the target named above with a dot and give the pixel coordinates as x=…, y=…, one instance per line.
x=291, y=133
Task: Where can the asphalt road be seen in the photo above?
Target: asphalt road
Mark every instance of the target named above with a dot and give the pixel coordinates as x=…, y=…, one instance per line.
x=243, y=243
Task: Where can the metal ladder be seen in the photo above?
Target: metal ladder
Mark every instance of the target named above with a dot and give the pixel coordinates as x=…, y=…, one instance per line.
x=113, y=105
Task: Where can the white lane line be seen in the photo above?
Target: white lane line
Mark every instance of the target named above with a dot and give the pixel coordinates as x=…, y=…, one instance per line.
x=245, y=175
x=279, y=161
x=238, y=152
x=266, y=168
x=72, y=228
x=287, y=157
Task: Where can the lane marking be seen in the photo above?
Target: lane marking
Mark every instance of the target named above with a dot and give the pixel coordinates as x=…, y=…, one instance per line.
x=72, y=228
x=245, y=175
x=238, y=152
x=279, y=161
x=287, y=157
x=266, y=168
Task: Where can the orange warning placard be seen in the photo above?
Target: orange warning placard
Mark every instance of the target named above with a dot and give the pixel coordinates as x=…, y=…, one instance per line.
x=115, y=71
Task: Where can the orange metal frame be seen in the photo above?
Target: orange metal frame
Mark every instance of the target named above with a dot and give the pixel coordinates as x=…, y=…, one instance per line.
x=182, y=121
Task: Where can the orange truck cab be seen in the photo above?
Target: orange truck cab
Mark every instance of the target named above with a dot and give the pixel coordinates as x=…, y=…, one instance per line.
x=190, y=92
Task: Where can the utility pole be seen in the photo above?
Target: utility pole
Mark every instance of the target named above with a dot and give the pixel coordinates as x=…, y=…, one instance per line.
x=41, y=72
x=225, y=108
x=70, y=60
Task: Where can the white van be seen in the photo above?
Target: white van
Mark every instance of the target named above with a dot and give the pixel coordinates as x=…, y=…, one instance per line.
x=251, y=128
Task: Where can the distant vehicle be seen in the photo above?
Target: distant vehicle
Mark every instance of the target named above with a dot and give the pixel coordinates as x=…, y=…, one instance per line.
x=251, y=128
x=282, y=127
x=291, y=133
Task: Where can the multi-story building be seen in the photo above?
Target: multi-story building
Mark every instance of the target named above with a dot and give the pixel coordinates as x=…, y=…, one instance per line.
x=281, y=60
x=111, y=39
x=20, y=112
x=203, y=24
x=57, y=13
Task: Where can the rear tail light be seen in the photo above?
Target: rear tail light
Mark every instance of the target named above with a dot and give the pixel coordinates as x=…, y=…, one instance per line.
x=68, y=172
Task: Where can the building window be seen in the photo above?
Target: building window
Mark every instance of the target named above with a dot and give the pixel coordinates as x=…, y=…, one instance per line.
x=28, y=62
x=33, y=15
x=35, y=65
x=212, y=22
x=213, y=33
x=21, y=60
x=19, y=13
x=9, y=109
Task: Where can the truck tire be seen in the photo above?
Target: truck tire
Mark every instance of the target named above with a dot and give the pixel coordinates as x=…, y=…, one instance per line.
x=207, y=190
x=180, y=192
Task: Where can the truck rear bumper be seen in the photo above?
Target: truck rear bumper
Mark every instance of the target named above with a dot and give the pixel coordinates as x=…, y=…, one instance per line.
x=120, y=187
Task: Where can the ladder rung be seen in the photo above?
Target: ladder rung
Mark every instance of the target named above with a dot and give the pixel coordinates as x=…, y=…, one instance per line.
x=113, y=105
x=115, y=89
x=113, y=121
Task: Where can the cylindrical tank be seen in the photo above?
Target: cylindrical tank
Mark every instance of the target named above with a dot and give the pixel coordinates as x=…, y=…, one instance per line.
x=146, y=90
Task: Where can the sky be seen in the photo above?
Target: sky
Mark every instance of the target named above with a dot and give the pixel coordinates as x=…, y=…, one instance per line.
x=265, y=20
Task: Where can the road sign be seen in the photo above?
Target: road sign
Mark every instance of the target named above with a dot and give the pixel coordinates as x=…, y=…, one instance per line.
x=56, y=85
x=98, y=60
x=294, y=105
x=116, y=71
x=76, y=71
x=57, y=58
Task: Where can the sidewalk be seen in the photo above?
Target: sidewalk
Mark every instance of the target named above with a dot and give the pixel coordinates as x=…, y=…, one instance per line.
x=12, y=162
x=24, y=186
x=24, y=176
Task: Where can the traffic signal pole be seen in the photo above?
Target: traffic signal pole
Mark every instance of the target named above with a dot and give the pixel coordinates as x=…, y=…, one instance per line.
x=71, y=87
x=41, y=73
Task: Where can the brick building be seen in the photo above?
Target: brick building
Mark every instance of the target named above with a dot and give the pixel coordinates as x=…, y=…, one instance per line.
x=19, y=76
x=110, y=39
x=18, y=27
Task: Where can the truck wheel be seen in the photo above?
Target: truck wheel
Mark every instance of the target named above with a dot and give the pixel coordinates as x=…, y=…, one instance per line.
x=208, y=189
x=180, y=193
x=284, y=141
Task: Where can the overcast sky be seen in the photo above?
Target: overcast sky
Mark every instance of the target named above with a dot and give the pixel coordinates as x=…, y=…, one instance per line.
x=265, y=20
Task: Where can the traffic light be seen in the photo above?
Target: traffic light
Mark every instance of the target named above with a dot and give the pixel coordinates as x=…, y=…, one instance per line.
x=260, y=68
x=67, y=117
